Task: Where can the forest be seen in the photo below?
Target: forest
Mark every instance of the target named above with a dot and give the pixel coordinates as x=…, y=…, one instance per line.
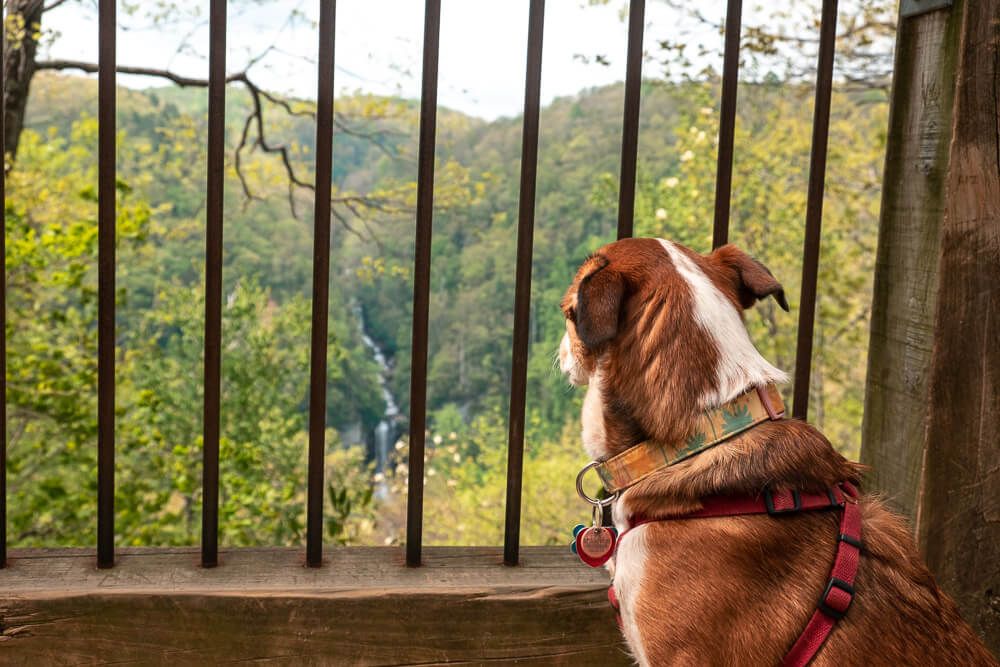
x=51, y=249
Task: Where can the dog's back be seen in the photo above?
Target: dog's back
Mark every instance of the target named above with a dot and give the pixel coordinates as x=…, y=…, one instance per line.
x=739, y=590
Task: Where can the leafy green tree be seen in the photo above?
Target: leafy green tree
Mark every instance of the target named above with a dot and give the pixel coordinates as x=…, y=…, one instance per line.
x=51, y=241
x=466, y=480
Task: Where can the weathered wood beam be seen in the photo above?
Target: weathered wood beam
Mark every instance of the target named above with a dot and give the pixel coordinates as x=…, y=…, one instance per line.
x=958, y=507
x=932, y=409
x=906, y=277
x=363, y=607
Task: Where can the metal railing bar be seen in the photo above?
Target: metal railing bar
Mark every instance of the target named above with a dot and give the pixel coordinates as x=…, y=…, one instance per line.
x=213, y=282
x=321, y=282
x=814, y=207
x=421, y=281
x=3, y=312
x=727, y=122
x=106, y=217
x=630, y=127
x=522, y=292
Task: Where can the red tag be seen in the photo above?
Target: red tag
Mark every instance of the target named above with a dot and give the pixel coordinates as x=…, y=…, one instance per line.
x=595, y=545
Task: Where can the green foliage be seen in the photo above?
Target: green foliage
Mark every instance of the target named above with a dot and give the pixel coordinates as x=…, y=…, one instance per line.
x=51, y=237
x=465, y=481
x=262, y=444
x=351, y=515
x=51, y=255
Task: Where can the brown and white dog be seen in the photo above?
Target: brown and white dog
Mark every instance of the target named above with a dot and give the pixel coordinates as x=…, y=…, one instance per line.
x=655, y=331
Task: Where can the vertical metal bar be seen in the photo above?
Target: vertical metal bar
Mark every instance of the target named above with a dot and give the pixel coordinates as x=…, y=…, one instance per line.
x=630, y=129
x=321, y=282
x=3, y=311
x=422, y=282
x=213, y=282
x=106, y=216
x=814, y=207
x=522, y=292
x=727, y=122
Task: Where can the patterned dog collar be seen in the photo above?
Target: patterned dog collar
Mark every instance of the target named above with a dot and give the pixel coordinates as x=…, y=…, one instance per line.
x=714, y=426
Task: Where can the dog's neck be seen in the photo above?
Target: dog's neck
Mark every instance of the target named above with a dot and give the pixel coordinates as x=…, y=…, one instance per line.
x=738, y=365
x=713, y=427
x=612, y=425
x=787, y=454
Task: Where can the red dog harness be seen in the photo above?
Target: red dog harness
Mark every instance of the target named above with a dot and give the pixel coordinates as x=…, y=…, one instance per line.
x=839, y=592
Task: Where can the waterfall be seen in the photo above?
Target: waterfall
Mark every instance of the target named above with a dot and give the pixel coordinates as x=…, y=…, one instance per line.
x=386, y=431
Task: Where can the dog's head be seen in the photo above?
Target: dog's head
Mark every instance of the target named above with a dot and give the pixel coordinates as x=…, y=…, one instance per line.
x=656, y=331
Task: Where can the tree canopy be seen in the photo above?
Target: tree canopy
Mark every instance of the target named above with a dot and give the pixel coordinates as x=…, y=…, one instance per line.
x=51, y=260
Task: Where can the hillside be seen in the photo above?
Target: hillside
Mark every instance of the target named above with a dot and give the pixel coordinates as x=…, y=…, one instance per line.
x=267, y=278
x=478, y=191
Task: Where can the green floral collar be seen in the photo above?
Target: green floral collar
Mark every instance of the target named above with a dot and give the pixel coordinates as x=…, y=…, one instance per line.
x=714, y=426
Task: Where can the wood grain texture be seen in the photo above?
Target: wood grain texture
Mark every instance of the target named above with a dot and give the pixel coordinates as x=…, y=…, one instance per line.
x=363, y=607
x=906, y=280
x=958, y=513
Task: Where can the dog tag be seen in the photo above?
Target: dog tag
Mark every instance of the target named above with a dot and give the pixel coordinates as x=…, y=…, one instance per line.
x=595, y=545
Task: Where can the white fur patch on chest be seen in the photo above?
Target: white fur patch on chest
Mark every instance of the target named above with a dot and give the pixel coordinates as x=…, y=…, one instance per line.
x=740, y=365
x=629, y=571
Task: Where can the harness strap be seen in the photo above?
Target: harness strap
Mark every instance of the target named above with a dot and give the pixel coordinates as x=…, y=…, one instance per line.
x=839, y=592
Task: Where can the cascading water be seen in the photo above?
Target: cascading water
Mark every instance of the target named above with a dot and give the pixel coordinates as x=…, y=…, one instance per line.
x=386, y=430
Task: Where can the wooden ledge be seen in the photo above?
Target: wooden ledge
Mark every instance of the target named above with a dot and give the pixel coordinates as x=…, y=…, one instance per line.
x=363, y=607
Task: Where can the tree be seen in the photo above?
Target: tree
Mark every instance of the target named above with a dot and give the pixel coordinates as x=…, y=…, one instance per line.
x=24, y=26
x=51, y=333
x=780, y=40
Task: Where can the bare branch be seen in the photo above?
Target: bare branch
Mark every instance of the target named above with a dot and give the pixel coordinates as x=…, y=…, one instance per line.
x=377, y=137
x=91, y=68
x=238, y=162
x=864, y=44
x=52, y=5
x=355, y=204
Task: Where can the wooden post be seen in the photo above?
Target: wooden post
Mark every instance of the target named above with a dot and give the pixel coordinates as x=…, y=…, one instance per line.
x=958, y=510
x=932, y=413
x=905, y=277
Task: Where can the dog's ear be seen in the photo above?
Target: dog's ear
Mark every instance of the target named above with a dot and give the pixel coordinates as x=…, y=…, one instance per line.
x=753, y=280
x=598, y=304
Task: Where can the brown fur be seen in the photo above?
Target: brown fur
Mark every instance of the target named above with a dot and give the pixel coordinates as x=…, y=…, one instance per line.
x=739, y=590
